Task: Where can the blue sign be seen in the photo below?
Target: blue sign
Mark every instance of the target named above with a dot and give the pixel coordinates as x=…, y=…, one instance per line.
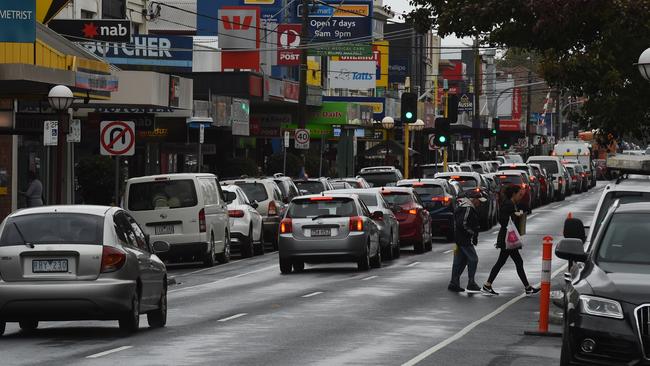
x=398, y=70
x=338, y=21
x=208, y=11
x=18, y=21
x=152, y=50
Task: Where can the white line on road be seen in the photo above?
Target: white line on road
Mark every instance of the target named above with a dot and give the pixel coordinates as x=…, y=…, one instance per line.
x=532, y=215
x=413, y=264
x=312, y=294
x=369, y=278
x=422, y=356
x=232, y=317
x=243, y=260
x=448, y=251
x=102, y=354
x=556, y=206
x=223, y=279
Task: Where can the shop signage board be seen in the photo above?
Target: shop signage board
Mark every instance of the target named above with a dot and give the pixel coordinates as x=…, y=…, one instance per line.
x=354, y=75
x=271, y=11
x=288, y=42
x=105, y=30
x=239, y=27
x=509, y=125
x=347, y=49
x=335, y=21
x=117, y=138
x=240, y=117
x=301, y=139
x=51, y=133
x=18, y=21
x=74, y=134
x=466, y=103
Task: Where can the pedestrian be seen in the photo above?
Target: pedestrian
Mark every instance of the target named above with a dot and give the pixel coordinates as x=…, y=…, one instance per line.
x=34, y=192
x=509, y=210
x=467, y=226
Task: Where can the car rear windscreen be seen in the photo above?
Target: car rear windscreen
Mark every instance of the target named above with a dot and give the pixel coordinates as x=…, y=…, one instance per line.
x=429, y=190
x=509, y=179
x=465, y=169
x=312, y=187
x=53, y=228
x=354, y=183
x=549, y=165
x=380, y=179
x=322, y=207
x=466, y=182
x=254, y=191
x=398, y=198
x=369, y=199
x=162, y=194
x=284, y=189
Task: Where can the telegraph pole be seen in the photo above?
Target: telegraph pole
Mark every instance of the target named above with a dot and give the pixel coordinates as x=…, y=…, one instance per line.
x=477, y=91
x=528, y=103
x=304, y=34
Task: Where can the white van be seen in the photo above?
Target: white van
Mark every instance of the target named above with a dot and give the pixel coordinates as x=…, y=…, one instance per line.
x=554, y=169
x=188, y=211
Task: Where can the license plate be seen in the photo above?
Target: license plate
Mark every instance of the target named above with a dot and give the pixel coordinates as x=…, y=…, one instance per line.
x=50, y=266
x=321, y=232
x=164, y=229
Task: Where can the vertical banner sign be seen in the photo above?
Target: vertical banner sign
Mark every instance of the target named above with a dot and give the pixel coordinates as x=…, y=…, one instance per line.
x=288, y=42
x=74, y=134
x=301, y=139
x=240, y=117
x=174, y=88
x=201, y=133
x=117, y=138
x=516, y=104
x=51, y=133
x=239, y=29
x=18, y=21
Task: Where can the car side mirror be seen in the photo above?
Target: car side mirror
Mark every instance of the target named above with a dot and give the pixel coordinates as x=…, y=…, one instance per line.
x=160, y=247
x=254, y=204
x=377, y=215
x=574, y=229
x=571, y=249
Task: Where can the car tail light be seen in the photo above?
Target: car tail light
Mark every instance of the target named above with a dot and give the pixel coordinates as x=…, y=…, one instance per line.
x=273, y=209
x=532, y=178
x=560, y=179
x=574, y=178
x=419, y=184
x=202, y=227
x=286, y=227
x=356, y=223
x=413, y=211
x=112, y=259
x=236, y=213
x=446, y=200
x=321, y=198
x=583, y=174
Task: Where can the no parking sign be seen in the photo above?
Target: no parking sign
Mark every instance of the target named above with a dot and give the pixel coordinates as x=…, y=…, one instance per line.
x=117, y=138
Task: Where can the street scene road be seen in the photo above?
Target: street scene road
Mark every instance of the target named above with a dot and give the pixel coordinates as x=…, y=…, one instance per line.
x=247, y=313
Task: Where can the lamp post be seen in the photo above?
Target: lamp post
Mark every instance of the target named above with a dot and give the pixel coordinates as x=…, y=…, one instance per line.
x=415, y=126
x=60, y=98
x=644, y=64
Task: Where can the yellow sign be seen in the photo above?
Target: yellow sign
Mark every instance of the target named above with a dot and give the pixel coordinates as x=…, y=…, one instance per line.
x=47, y=9
x=377, y=108
x=313, y=73
x=382, y=48
x=351, y=11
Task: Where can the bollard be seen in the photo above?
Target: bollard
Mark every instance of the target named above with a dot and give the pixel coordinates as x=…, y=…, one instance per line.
x=545, y=293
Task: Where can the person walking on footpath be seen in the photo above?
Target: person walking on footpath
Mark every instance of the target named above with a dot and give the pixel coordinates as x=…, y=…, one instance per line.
x=34, y=192
x=467, y=227
x=508, y=210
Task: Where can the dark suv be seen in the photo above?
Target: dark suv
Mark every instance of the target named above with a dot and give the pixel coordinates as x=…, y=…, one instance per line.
x=607, y=295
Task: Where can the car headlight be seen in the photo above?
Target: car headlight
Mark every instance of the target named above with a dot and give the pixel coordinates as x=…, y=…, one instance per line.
x=599, y=306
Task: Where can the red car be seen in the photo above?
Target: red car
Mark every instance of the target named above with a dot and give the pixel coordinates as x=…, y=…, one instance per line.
x=513, y=177
x=414, y=219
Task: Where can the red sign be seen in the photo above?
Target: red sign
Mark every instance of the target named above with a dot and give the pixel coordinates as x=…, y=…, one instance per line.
x=255, y=87
x=239, y=29
x=516, y=104
x=288, y=42
x=291, y=90
x=509, y=125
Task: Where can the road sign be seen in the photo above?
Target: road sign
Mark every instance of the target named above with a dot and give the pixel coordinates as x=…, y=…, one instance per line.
x=201, y=133
x=287, y=136
x=51, y=133
x=432, y=142
x=74, y=134
x=459, y=145
x=117, y=138
x=523, y=142
x=301, y=139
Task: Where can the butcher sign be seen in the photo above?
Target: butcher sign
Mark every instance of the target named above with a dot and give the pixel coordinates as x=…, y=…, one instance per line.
x=117, y=138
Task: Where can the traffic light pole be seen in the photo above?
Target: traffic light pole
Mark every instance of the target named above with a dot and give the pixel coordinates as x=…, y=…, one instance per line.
x=444, y=151
x=406, y=150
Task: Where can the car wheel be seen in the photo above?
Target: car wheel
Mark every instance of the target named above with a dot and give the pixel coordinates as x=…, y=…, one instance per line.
x=397, y=252
x=130, y=322
x=158, y=318
x=209, y=257
x=28, y=325
x=3, y=326
x=363, y=264
x=375, y=262
x=298, y=266
x=260, y=250
x=247, y=249
x=285, y=265
x=224, y=257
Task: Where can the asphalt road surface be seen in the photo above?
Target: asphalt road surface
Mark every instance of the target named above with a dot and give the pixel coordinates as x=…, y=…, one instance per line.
x=247, y=313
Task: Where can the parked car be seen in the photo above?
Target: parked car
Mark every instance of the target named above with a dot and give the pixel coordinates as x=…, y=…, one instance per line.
x=266, y=193
x=287, y=188
x=80, y=263
x=546, y=186
x=329, y=228
x=387, y=224
x=313, y=185
x=494, y=195
x=414, y=219
x=474, y=181
x=186, y=210
x=246, y=232
x=575, y=179
x=553, y=167
x=439, y=198
x=379, y=176
x=356, y=182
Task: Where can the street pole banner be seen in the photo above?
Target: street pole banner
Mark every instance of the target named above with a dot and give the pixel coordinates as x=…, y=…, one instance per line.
x=288, y=41
x=74, y=134
x=117, y=138
x=301, y=139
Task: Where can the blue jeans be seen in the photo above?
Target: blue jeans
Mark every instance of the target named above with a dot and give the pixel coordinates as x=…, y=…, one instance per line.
x=464, y=256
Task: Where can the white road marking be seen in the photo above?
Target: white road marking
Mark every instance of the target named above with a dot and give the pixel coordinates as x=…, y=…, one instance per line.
x=232, y=317
x=413, y=264
x=448, y=251
x=102, y=354
x=369, y=278
x=312, y=294
x=532, y=215
x=220, y=266
x=422, y=356
x=556, y=206
x=223, y=279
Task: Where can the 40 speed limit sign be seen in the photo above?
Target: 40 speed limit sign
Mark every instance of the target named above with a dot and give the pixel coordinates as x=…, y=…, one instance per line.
x=301, y=138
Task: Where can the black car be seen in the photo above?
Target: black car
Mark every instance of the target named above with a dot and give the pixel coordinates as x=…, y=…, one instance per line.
x=607, y=296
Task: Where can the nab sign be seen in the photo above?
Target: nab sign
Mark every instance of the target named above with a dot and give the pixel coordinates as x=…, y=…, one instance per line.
x=93, y=30
x=288, y=42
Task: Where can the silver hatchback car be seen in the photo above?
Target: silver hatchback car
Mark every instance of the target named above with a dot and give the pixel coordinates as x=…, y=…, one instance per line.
x=79, y=263
x=329, y=228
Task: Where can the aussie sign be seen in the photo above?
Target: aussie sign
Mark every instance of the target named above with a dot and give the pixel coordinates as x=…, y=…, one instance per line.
x=288, y=42
x=89, y=29
x=335, y=21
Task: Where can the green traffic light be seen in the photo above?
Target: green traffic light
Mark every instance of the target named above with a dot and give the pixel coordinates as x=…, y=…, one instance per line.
x=494, y=131
x=505, y=145
x=442, y=139
x=409, y=115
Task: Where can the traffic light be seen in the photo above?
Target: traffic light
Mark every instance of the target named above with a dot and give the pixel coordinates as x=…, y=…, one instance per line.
x=442, y=132
x=452, y=105
x=495, y=126
x=409, y=108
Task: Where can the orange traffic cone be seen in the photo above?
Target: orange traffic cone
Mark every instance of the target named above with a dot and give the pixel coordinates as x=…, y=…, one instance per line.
x=570, y=215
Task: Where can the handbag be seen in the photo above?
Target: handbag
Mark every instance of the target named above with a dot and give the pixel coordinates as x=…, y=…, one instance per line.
x=521, y=224
x=513, y=239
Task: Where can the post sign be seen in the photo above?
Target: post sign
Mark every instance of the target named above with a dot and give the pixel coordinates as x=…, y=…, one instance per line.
x=109, y=30
x=51, y=133
x=117, y=138
x=301, y=139
x=18, y=21
x=335, y=21
x=288, y=42
x=74, y=134
x=287, y=135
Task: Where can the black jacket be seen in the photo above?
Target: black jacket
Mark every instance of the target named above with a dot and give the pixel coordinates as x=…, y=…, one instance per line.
x=467, y=223
x=506, y=212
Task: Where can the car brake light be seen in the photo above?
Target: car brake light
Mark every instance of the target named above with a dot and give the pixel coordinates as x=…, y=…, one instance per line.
x=503, y=176
x=202, y=226
x=574, y=178
x=112, y=259
x=477, y=190
x=356, y=223
x=419, y=184
x=445, y=200
x=455, y=177
x=236, y=213
x=413, y=211
x=524, y=186
x=561, y=179
x=321, y=198
x=532, y=178
x=273, y=209
x=286, y=226
x=583, y=174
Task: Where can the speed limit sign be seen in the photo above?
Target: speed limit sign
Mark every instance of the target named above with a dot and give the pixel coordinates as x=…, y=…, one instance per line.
x=301, y=139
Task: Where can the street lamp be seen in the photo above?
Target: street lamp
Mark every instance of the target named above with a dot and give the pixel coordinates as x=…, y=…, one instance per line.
x=644, y=64
x=60, y=98
x=388, y=123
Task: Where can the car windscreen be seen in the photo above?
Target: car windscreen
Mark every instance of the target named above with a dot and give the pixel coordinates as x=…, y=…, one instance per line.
x=162, y=194
x=229, y=196
x=465, y=169
x=354, y=183
x=254, y=191
x=53, y=228
x=478, y=168
x=322, y=207
x=340, y=185
x=625, y=239
x=611, y=197
x=284, y=188
x=370, y=199
x=427, y=191
x=312, y=187
x=398, y=198
x=380, y=179
x=549, y=165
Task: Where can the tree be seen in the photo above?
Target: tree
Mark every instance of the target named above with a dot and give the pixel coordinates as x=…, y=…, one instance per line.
x=587, y=47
